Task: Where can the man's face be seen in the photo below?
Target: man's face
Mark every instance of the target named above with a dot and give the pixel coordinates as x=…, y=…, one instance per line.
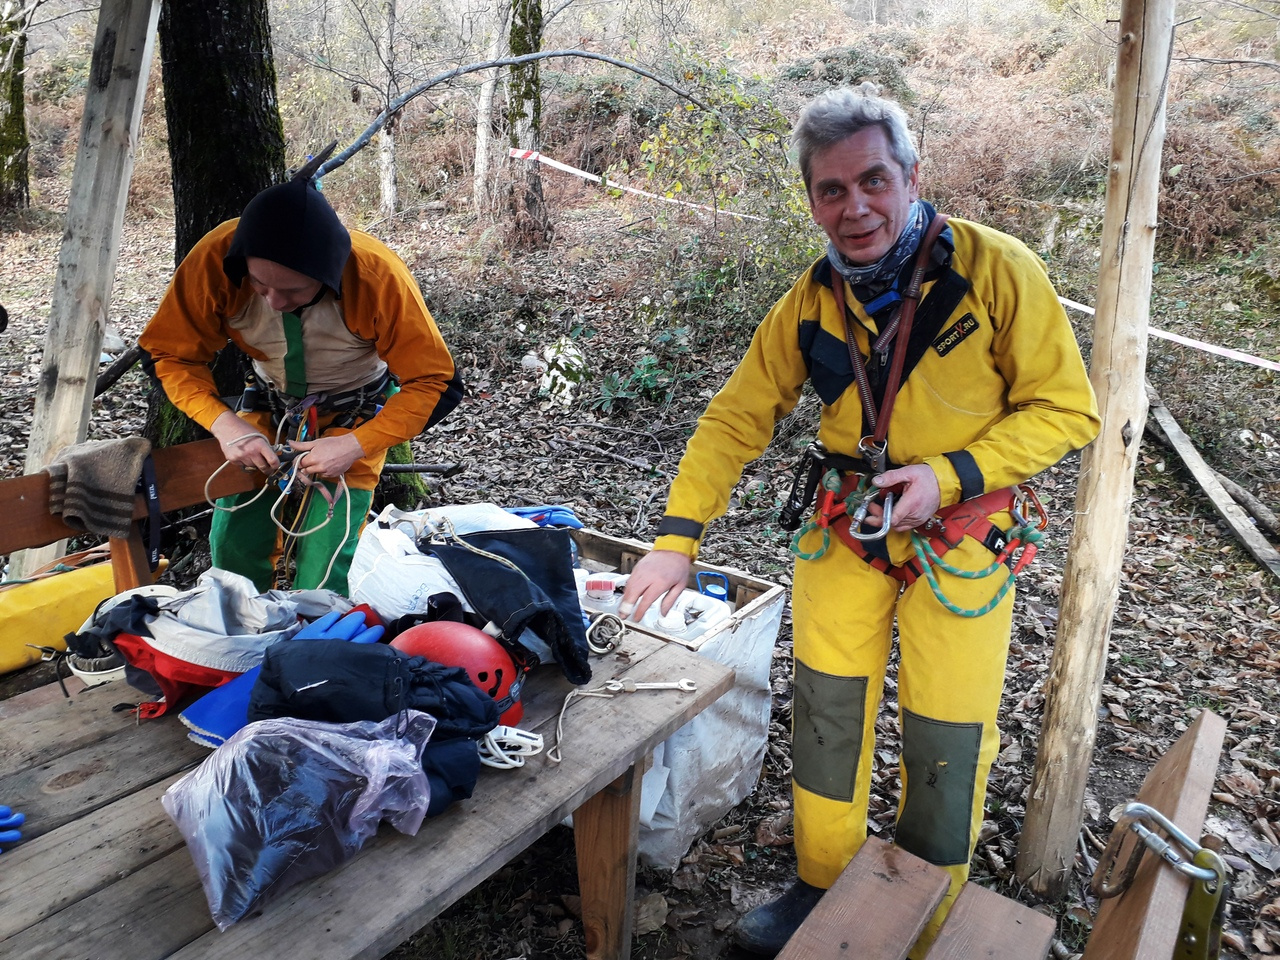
x=858, y=195
x=284, y=289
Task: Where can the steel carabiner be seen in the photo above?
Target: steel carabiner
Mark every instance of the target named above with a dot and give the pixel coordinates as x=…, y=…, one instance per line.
x=859, y=515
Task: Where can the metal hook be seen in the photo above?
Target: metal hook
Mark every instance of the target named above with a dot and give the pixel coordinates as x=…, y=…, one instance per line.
x=1105, y=884
x=859, y=515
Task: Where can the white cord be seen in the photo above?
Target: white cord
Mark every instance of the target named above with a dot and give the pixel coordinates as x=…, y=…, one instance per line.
x=555, y=754
x=505, y=748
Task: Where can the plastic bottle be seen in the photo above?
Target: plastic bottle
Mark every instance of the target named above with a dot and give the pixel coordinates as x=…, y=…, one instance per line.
x=599, y=592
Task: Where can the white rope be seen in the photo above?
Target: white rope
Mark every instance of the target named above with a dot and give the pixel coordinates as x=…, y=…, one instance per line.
x=555, y=754
x=505, y=748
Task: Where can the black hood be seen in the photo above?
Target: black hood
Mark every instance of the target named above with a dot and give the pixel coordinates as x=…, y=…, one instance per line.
x=293, y=225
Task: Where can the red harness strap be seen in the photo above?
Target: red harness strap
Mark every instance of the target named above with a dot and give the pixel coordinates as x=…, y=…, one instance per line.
x=951, y=525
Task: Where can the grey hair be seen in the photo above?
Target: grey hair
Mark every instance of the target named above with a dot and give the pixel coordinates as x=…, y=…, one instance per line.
x=832, y=116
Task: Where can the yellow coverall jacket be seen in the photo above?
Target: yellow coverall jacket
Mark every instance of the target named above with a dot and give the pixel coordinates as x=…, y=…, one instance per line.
x=995, y=391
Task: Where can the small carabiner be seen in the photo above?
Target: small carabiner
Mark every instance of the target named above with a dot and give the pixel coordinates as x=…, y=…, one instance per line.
x=859, y=515
x=1026, y=495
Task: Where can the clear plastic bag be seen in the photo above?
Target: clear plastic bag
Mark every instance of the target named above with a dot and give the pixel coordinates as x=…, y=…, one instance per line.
x=286, y=800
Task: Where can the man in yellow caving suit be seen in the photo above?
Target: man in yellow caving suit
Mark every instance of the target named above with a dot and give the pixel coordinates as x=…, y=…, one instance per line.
x=993, y=390
x=328, y=318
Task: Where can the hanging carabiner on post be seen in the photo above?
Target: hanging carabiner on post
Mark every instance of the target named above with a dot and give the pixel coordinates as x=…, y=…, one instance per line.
x=1131, y=817
x=1200, y=932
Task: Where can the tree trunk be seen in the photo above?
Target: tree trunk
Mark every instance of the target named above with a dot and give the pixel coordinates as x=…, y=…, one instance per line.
x=226, y=141
x=531, y=225
x=390, y=199
x=91, y=241
x=1091, y=580
x=226, y=144
x=482, y=193
x=15, y=146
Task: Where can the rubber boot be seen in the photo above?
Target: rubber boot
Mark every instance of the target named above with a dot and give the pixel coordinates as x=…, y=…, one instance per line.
x=766, y=929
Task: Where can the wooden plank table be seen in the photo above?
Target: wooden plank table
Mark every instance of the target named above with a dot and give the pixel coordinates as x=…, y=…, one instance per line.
x=103, y=873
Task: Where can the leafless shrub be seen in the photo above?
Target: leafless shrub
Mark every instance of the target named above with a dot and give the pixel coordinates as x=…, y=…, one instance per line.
x=1215, y=187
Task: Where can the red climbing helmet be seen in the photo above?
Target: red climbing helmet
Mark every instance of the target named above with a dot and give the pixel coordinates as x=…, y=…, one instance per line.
x=488, y=663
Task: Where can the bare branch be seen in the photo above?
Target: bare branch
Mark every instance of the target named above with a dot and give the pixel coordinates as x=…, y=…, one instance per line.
x=1219, y=61
x=398, y=104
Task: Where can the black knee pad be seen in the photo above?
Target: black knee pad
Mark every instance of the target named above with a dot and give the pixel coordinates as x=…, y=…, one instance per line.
x=941, y=762
x=826, y=732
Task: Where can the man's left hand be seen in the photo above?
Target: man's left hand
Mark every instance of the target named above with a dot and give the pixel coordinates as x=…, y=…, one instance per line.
x=917, y=501
x=327, y=457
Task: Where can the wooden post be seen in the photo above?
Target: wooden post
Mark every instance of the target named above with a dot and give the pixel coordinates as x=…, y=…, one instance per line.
x=1090, y=585
x=91, y=242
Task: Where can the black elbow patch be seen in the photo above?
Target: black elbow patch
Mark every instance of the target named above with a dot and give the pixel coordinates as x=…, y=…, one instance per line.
x=454, y=391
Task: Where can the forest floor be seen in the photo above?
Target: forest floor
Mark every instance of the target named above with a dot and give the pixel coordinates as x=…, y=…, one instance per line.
x=1197, y=624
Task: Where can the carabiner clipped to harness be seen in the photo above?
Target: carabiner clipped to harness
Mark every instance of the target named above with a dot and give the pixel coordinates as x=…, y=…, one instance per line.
x=860, y=514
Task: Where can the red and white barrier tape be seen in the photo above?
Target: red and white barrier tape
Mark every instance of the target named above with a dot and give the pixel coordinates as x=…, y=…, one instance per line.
x=1163, y=334
x=1187, y=341
x=557, y=165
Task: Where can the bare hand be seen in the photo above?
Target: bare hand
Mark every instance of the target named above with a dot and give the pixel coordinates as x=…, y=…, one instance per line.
x=244, y=444
x=327, y=457
x=917, y=501
x=659, y=572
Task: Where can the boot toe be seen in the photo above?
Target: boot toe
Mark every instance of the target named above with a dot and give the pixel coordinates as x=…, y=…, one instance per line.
x=766, y=929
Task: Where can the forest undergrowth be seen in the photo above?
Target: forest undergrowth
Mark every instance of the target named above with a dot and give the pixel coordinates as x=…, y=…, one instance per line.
x=644, y=309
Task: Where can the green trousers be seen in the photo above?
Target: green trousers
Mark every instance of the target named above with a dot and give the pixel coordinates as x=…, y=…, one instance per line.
x=247, y=542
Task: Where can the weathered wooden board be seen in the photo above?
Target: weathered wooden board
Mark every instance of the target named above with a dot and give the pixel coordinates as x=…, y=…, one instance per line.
x=1144, y=921
x=983, y=925
x=1230, y=511
x=876, y=908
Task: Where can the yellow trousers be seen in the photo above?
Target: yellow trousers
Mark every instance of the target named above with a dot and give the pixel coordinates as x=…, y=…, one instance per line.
x=950, y=678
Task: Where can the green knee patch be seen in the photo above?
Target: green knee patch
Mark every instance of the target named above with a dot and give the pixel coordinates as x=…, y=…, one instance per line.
x=826, y=732
x=941, y=761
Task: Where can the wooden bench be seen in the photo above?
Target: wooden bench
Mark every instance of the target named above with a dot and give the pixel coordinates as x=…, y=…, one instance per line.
x=103, y=872
x=881, y=902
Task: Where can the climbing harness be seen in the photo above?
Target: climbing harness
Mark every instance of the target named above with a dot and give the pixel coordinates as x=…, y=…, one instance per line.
x=842, y=505
x=1200, y=933
x=287, y=476
x=349, y=407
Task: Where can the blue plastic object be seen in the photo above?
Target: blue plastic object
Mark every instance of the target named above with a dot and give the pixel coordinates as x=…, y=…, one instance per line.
x=334, y=626
x=711, y=584
x=9, y=823
x=552, y=515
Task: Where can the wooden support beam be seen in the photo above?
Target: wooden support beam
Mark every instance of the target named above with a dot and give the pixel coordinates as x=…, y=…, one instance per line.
x=1091, y=580
x=91, y=242
x=606, y=832
x=1230, y=511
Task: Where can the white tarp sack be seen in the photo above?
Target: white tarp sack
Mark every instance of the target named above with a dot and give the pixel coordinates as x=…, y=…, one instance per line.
x=712, y=763
x=390, y=573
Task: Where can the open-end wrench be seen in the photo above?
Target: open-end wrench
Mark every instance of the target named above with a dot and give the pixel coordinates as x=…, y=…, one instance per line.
x=631, y=686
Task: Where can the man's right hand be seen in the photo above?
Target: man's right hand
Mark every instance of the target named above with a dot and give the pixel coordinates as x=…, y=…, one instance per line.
x=244, y=444
x=659, y=572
